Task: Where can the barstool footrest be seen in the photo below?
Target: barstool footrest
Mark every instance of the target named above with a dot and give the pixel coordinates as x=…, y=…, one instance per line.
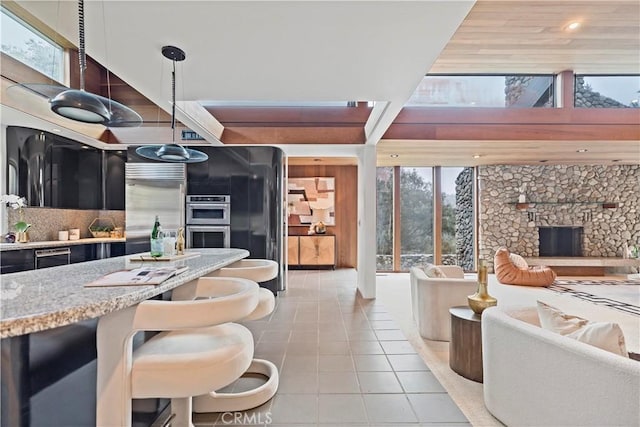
x=230, y=402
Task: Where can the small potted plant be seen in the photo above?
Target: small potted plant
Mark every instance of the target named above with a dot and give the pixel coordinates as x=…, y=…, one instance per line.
x=101, y=227
x=16, y=202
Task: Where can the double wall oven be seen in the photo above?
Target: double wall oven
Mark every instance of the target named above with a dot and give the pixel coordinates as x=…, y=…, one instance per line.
x=208, y=221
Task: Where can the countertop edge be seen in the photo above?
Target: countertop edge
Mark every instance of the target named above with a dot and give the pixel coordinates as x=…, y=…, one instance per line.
x=5, y=247
x=11, y=327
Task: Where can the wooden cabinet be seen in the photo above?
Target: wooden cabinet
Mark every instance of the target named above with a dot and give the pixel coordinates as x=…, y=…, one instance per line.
x=293, y=250
x=309, y=251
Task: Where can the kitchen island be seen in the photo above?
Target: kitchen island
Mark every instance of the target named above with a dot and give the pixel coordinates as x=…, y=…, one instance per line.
x=46, y=322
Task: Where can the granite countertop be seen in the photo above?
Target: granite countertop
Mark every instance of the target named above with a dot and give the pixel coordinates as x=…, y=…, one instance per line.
x=58, y=243
x=37, y=300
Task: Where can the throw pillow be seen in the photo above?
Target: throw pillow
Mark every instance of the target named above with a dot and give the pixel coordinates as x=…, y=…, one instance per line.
x=433, y=271
x=518, y=261
x=605, y=335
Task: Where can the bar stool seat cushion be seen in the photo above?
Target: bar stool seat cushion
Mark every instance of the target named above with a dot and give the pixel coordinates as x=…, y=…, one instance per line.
x=191, y=362
x=266, y=304
x=258, y=270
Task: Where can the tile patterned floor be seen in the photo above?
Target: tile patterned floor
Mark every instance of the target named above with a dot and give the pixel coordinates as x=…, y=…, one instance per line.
x=343, y=362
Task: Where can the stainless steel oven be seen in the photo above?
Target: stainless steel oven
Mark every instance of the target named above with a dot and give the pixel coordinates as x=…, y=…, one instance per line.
x=208, y=236
x=52, y=257
x=208, y=210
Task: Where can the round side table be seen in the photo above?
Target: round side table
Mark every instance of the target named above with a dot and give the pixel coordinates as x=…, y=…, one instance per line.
x=465, y=347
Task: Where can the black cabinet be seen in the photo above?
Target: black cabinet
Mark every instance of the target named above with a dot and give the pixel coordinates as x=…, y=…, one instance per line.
x=56, y=172
x=114, y=185
x=18, y=260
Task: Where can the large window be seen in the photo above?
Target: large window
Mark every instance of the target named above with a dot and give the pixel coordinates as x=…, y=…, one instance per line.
x=607, y=91
x=406, y=214
x=513, y=91
x=28, y=46
x=416, y=217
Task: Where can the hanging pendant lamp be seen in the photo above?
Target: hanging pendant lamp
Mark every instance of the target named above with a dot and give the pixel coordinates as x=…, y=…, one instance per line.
x=87, y=107
x=173, y=152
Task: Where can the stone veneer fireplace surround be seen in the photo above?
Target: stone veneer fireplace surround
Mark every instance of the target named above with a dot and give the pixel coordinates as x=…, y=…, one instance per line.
x=566, y=195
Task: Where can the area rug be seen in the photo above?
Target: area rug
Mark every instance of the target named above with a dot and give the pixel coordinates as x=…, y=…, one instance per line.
x=621, y=295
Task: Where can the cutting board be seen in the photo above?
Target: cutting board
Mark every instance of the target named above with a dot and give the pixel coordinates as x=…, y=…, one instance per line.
x=147, y=257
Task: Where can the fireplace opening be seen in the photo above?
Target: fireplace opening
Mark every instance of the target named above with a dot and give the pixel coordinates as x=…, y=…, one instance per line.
x=560, y=241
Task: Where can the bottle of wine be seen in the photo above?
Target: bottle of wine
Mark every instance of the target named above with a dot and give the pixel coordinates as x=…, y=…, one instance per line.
x=157, y=249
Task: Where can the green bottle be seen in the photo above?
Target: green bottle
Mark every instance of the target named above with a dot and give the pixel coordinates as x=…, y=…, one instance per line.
x=156, y=239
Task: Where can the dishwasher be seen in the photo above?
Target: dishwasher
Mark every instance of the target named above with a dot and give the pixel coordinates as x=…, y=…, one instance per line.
x=52, y=257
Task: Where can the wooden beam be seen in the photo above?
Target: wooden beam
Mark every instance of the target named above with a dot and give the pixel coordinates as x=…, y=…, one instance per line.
x=437, y=215
x=567, y=86
x=397, y=229
x=293, y=135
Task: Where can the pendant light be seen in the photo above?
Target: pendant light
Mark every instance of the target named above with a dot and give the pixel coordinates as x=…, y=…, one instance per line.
x=172, y=152
x=87, y=107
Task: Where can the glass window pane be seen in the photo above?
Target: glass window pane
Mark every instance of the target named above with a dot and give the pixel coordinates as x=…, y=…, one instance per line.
x=514, y=91
x=607, y=91
x=457, y=217
x=384, y=215
x=416, y=217
x=28, y=46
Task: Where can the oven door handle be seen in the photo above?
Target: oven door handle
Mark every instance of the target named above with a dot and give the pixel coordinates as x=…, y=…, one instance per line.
x=208, y=206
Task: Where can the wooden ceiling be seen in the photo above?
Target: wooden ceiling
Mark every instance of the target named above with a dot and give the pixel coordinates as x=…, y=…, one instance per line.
x=464, y=153
x=532, y=37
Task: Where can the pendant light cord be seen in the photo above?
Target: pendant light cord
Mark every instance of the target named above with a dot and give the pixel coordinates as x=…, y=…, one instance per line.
x=173, y=102
x=81, y=55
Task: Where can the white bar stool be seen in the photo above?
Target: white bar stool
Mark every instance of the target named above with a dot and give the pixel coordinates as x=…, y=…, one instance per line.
x=197, y=351
x=258, y=270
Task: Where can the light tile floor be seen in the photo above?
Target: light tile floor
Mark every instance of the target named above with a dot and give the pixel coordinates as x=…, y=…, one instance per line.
x=343, y=361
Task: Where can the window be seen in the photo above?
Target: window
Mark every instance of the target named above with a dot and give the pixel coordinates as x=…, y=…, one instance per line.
x=406, y=216
x=22, y=42
x=384, y=218
x=416, y=217
x=513, y=91
x=607, y=91
x=457, y=242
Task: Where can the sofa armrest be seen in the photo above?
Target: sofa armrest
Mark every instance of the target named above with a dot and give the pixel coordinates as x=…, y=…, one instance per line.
x=535, y=377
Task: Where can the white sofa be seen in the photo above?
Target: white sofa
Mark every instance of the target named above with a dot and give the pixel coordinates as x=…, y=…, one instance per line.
x=534, y=377
x=431, y=298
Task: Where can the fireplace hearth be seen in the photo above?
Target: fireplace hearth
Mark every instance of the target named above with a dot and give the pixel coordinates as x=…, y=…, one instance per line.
x=560, y=241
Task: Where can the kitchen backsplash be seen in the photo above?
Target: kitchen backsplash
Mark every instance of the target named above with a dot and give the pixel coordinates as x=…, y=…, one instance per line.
x=46, y=222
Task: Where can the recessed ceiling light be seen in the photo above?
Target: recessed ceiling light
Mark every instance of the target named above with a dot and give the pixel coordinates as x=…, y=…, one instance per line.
x=56, y=130
x=572, y=26
x=394, y=155
x=476, y=156
x=582, y=150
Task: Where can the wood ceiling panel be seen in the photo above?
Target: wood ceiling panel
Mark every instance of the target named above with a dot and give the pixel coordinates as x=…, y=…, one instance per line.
x=531, y=37
x=461, y=153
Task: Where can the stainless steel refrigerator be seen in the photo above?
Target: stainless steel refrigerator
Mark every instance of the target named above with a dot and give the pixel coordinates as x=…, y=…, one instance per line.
x=153, y=189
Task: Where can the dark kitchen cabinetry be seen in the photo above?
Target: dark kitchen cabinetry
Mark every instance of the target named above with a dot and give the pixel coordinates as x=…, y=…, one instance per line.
x=253, y=176
x=18, y=260
x=56, y=172
x=113, y=167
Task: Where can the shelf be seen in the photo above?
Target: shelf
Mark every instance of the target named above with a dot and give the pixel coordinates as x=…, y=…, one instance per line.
x=527, y=205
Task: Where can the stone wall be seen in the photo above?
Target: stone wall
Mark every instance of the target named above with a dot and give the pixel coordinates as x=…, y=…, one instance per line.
x=565, y=196
x=464, y=219
x=516, y=87
x=587, y=98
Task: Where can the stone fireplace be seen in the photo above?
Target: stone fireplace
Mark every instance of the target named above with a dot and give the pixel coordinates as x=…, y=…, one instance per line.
x=601, y=199
x=560, y=241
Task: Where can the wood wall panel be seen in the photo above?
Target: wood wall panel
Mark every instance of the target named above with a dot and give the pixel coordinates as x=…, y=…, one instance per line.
x=346, y=228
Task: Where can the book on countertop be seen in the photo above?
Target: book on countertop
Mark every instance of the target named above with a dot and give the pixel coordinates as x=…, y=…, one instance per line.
x=137, y=277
